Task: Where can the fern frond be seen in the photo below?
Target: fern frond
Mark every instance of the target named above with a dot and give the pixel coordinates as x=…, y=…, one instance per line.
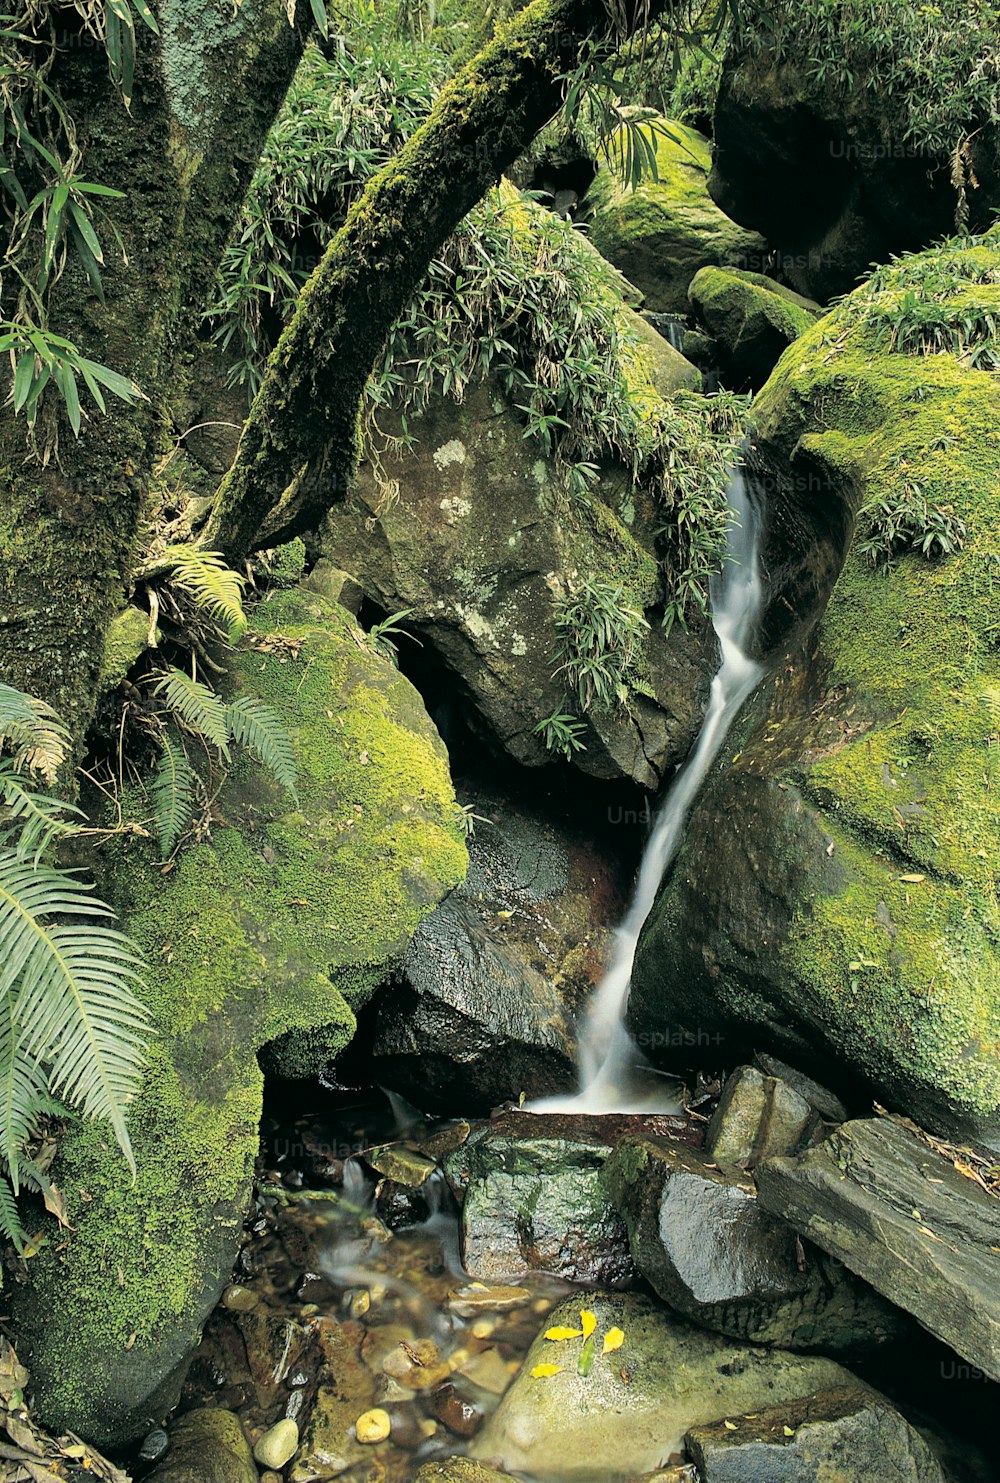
x=23, y=1097
x=172, y=793
x=256, y=726
x=73, y=1007
x=37, y=818
x=213, y=585
x=198, y=707
x=37, y=738
x=10, y=1219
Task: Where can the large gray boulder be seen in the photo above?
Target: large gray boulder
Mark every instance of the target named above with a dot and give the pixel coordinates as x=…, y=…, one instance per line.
x=478, y=549
x=707, y=1247
x=482, y=1008
x=632, y=1410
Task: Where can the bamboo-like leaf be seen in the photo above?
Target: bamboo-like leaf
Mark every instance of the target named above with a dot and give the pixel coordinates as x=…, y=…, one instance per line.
x=213, y=585
x=197, y=706
x=69, y=982
x=255, y=725
x=172, y=793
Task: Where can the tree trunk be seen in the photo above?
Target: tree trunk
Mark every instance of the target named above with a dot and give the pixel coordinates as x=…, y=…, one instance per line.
x=205, y=94
x=300, y=445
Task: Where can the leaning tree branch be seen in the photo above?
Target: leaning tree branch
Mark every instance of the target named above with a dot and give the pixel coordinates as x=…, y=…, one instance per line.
x=300, y=445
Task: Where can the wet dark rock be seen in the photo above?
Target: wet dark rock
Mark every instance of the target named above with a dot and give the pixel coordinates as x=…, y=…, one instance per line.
x=207, y=1446
x=274, y=1344
x=347, y=1390
x=534, y=1199
x=702, y=1240
x=825, y=1102
x=399, y=1205
x=483, y=1007
x=474, y=553
x=758, y=1116
x=841, y=1436
x=634, y=1407
x=896, y=1212
x=816, y=164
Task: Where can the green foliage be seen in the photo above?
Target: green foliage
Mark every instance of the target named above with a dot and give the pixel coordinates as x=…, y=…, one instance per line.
x=940, y=62
x=601, y=639
x=345, y=115
x=214, y=586
x=70, y=1024
x=562, y=733
x=380, y=635
x=925, y=303
x=909, y=521
x=48, y=210
x=189, y=707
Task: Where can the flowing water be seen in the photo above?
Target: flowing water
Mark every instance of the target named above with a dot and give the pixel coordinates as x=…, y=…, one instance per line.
x=613, y=1074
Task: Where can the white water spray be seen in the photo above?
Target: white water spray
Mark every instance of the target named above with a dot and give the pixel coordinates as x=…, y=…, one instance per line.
x=613, y=1075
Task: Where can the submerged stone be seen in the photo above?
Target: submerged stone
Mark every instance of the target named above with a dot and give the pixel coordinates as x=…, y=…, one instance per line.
x=207, y=1446
x=277, y=1445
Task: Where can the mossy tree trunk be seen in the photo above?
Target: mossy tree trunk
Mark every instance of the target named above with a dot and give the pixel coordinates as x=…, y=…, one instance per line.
x=299, y=448
x=205, y=93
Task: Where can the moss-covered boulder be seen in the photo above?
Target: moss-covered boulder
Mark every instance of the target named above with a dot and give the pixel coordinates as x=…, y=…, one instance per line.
x=826, y=143
x=835, y=897
x=479, y=549
x=660, y=234
x=280, y=924
x=753, y=321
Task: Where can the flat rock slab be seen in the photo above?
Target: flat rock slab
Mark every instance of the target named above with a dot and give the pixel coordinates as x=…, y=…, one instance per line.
x=630, y=1414
x=842, y=1436
x=901, y=1216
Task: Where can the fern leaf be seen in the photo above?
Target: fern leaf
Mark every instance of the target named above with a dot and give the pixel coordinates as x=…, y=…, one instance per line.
x=213, y=585
x=198, y=707
x=70, y=982
x=172, y=793
x=23, y=1096
x=36, y=736
x=255, y=725
x=10, y=1220
x=37, y=818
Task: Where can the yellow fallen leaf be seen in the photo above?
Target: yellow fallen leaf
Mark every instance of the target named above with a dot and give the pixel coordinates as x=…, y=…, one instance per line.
x=613, y=1339
x=788, y=1431
x=912, y=880
x=562, y=1333
x=542, y=1372
x=588, y=1322
x=729, y=1425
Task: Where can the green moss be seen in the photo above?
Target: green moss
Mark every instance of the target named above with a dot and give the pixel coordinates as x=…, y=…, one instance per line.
x=909, y=786
x=729, y=298
x=662, y=232
x=281, y=924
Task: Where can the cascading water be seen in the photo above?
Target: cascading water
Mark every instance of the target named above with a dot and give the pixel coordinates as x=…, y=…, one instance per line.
x=613, y=1074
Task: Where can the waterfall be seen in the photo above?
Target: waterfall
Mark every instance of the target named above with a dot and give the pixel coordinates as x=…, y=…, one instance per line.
x=613, y=1075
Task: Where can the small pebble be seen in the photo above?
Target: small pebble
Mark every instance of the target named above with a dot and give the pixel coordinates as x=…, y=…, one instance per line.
x=373, y=1426
x=360, y=1303
x=277, y=1446
x=239, y=1299
x=459, y=1415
